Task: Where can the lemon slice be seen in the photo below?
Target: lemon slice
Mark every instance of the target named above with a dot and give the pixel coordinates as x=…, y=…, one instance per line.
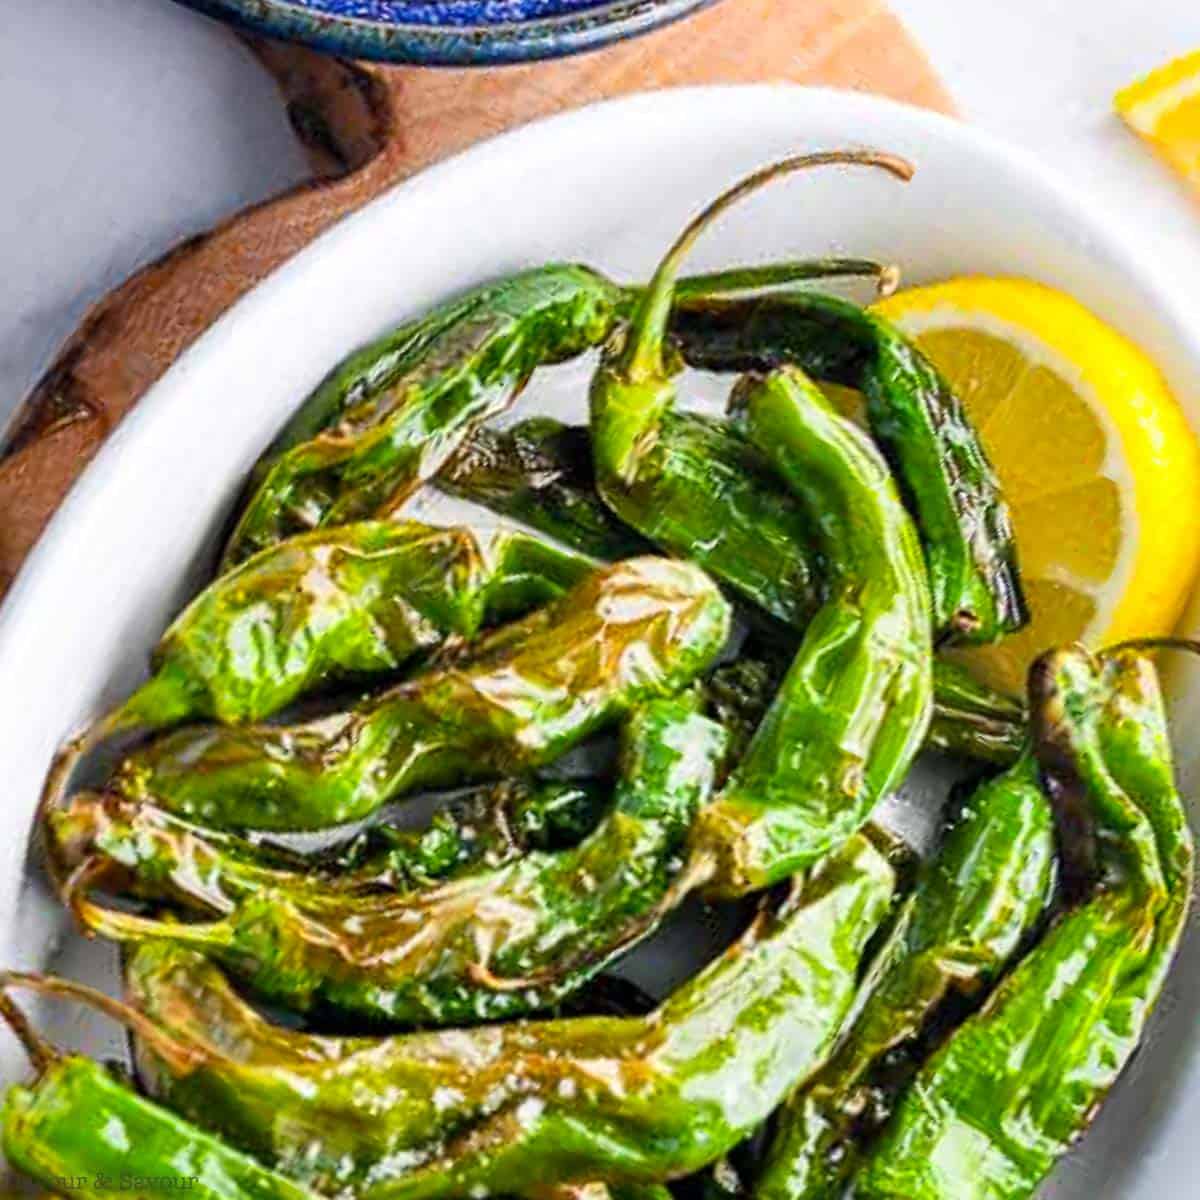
x=1097, y=461
x=1165, y=109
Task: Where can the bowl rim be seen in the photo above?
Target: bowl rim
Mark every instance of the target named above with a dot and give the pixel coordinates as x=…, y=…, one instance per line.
x=476, y=44
x=20, y=602
x=52, y=567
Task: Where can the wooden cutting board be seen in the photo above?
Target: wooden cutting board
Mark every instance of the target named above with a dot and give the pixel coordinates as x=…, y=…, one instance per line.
x=365, y=127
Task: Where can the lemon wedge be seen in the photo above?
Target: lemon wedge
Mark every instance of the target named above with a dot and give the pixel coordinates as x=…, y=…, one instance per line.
x=1165, y=109
x=1097, y=462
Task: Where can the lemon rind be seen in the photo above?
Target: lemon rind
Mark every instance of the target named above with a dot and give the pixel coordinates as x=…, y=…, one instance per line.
x=1092, y=357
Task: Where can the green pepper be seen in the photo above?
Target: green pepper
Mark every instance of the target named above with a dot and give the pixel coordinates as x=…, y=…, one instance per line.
x=78, y=1128
x=336, y=605
x=484, y=1111
x=492, y=944
x=529, y=692
x=704, y=493
x=972, y=721
x=993, y=1110
x=540, y=472
x=389, y=416
x=969, y=720
x=691, y=485
x=939, y=462
x=646, y=468
x=79, y=1124
x=854, y=707
x=145, y=852
x=489, y=825
x=976, y=903
x=547, y=484
x=722, y=492
x=385, y=363
x=414, y=403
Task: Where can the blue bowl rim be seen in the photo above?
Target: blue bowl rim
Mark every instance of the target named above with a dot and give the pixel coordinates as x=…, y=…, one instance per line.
x=450, y=46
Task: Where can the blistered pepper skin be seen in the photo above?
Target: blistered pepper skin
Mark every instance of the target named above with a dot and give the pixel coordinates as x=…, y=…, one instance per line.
x=942, y=468
x=854, y=707
x=699, y=490
x=973, y=721
x=480, y=1111
x=337, y=605
x=993, y=1110
x=691, y=485
x=151, y=854
x=492, y=943
x=384, y=363
x=391, y=415
x=426, y=390
x=79, y=1124
x=541, y=472
x=975, y=905
x=969, y=721
x=529, y=692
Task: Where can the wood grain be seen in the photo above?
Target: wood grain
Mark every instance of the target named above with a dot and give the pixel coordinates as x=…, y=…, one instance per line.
x=366, y=127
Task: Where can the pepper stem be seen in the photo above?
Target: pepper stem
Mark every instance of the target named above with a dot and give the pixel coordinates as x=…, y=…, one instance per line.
x=161, y=700
x=643, y=356
x=120, y=926
x=62, y=770
x=42, y=1054
x=75, y=886
x=1188, y=645
x=54, y=792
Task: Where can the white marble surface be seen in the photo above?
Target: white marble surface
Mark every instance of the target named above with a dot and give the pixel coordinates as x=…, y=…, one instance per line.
x=1042, y=73
x=132, y=122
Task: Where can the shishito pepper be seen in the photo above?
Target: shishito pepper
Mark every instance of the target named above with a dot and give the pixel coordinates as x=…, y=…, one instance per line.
x=409, y=406
x=939, y=461
x=135, y=848
x=540, y=471
x=629, y=632
x=993, y=1110
x=725, y=508
x=975, y=905
x=693, y=485
x=973, y=721
x=854, y=707
x=969, y=720
x=78, y=1128
x=389, y=416
x=483, y=1111
x=487, y=945
x=389, y=361
x=650, y=460
x=336, y=605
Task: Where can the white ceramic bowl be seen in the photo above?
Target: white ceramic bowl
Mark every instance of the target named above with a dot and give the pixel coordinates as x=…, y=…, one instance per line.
x=609, y=185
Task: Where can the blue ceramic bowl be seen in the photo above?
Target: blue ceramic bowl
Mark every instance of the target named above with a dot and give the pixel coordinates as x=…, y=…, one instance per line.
x=449, y=32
